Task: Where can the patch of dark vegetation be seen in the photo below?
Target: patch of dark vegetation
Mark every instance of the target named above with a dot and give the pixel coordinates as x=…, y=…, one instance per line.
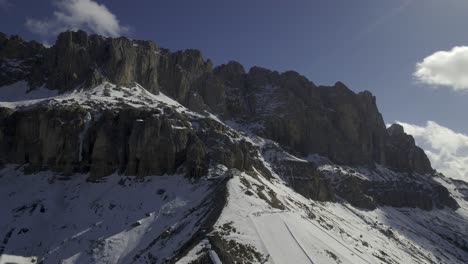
x=19, y=211
x=333, y=256
x=126, y=180
x=383, y=257
x=5, y=240
x=111, y=206
x=270, y=197
x=230, y=251
x=245, y=182
x=324, y=223
x=273, y=201
x=388, y=233
x=310, y=214
x=249, y=193
x=23, y=231
x=227, y=229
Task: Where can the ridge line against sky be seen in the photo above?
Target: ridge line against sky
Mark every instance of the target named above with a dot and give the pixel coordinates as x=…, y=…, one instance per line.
x=446, y=149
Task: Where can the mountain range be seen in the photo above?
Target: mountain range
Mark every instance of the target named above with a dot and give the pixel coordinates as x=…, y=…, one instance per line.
x=114, y=150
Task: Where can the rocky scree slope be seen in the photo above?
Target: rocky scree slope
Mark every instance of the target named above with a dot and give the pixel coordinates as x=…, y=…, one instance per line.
x=131, y=108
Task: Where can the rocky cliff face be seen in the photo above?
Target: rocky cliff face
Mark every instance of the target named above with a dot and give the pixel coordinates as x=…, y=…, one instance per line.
x=137, y=142
x=403, y=154
x=285, y=107
x=117, y=128
x=244, y=152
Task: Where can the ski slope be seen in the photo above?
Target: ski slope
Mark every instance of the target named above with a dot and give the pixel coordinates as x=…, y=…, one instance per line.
x=312, y=232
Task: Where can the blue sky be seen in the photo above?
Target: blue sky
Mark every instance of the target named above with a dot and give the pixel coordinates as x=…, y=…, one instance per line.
x=370, y=45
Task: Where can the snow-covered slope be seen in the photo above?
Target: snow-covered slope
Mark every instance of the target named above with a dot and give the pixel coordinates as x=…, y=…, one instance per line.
x=104, y=96
x=287, y=228
x=56, y=219
x=266, y=221
x=254, y=215
x=146, y=220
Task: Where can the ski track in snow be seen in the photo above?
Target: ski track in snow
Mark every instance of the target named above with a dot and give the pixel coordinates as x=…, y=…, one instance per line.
x=298, y=242
x=339, y=233
x=281, y=248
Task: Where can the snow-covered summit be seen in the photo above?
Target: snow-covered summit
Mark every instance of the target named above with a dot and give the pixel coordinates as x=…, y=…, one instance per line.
x=103, y=96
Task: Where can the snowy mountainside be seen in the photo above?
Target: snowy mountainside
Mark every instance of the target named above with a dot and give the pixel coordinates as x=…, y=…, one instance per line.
x=57, y=219
x=266, y=221
x=287, y=228
x=266, y=218
x=117, y=151
x=103, y=96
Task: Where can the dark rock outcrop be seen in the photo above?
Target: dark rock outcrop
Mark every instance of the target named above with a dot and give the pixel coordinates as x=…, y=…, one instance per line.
x=41, y=137
x=399, y=190
x=403, y=154
x=304, y=178
x=303, y=118
x=130, y=141
x=286, y=107
x=20, y=60
x=79, y=59
x=179, y=71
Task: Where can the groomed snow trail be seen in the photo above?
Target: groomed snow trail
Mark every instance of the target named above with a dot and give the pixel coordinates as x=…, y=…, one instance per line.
x=279, y=241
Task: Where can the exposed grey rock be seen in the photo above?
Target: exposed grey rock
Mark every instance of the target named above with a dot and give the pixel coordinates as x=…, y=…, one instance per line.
x=20, y=60
x=13, y=47
x=400, y=190
x=77, y=56
x=180, y=70
x=304, y=178
x=81, y=60
x=303, y=118
x=286, y=107
x=403, y=154
x=40, y=136
x=131, y=141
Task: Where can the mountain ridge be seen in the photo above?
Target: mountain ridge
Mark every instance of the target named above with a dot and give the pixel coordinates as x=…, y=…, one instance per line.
x=81, y=60
x=202, y=164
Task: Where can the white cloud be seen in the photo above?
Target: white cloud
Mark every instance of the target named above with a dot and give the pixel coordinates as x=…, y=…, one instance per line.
x=445, y=68
x=447, y=149
x=78, y=14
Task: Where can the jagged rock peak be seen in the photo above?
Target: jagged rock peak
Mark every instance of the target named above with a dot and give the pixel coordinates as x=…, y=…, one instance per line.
x=332, y=121
x=403, y=154
x=15, y=47
x=79, y=59
x=396, y=129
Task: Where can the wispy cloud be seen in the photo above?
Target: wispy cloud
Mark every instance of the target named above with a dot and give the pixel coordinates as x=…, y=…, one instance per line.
x=368, y=29
x=445, y=69
x=447, y=149
x=382, y=20
x=78, y=14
